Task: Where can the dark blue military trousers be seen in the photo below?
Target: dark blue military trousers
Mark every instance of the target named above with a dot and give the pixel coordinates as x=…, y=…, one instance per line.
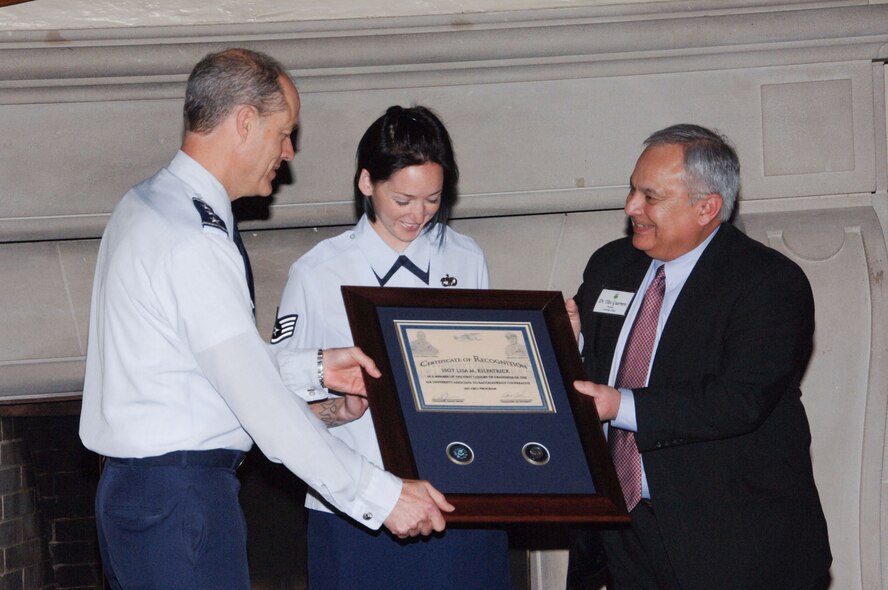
x=173, y=522
x=343, y=555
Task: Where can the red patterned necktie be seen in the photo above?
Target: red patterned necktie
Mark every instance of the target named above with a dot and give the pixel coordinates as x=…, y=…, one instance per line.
x=633, y=374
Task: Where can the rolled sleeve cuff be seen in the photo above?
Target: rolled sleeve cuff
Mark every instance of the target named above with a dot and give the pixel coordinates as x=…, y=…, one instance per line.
x=299, y=372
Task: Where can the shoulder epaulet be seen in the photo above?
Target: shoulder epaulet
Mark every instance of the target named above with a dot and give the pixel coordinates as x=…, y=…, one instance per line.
x=208, y=217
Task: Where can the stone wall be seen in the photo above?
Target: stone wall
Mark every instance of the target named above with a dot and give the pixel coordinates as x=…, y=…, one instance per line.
x=547, y=110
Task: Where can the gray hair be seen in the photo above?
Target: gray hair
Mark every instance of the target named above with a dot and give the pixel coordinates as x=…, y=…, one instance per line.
x=710, y=163
x=223, y=81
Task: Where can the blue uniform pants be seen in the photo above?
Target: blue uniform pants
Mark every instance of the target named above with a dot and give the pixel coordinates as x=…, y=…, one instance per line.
x=173, y=522
x=345, y=556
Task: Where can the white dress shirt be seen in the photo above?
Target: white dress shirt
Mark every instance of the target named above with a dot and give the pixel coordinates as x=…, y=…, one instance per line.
x=358, y=257
x=677, y=272
x=174, y=361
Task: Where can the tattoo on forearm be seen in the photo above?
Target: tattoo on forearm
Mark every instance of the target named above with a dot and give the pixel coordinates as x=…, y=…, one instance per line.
x=326, y=411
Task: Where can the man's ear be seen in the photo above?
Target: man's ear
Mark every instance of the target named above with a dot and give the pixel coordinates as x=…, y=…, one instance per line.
x=365, y=184
x=709, y=207
x=245, y=119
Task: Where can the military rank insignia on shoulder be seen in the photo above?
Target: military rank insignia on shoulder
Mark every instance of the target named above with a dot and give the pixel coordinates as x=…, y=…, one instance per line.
x=208, y=217
x=284, y=327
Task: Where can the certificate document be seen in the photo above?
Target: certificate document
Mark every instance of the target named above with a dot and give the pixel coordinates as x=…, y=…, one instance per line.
x=476, y=395
x=474, y=367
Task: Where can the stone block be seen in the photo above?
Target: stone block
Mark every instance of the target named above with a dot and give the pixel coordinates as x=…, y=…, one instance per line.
x=74, y=529
x=74, y=553
x=19, y=504
x=10, y=479
x=12, y=581
x=12, y=532
x=13, y=452
x=78, y=576
x=24, y=554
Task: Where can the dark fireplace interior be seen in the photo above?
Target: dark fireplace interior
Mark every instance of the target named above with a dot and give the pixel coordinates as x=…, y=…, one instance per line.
x=47, y=531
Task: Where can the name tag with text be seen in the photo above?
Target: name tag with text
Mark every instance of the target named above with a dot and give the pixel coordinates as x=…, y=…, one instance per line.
x=613, y=302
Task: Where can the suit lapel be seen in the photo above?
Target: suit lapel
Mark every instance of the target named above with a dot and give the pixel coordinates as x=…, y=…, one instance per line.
x=699, y=292
x=625, y=277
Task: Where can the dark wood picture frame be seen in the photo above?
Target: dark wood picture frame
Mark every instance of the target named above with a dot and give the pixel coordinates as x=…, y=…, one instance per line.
x=606, y=504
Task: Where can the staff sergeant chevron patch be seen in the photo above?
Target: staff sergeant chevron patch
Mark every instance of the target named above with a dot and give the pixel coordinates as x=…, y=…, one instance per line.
x=283, y=328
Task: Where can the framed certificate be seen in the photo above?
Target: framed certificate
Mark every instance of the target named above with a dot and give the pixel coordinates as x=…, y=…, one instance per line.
x=476, y=396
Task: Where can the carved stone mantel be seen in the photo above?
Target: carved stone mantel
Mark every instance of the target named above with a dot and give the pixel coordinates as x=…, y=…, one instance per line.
x=72, y=99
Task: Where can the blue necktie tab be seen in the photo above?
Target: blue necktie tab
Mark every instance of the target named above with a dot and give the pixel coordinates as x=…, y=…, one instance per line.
x=248, y=269
x=406, y=263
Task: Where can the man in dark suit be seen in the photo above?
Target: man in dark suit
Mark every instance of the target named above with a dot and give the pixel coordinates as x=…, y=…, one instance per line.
x=723, y=495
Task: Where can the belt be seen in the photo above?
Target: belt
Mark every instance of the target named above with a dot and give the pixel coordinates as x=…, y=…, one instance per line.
x=227, y=458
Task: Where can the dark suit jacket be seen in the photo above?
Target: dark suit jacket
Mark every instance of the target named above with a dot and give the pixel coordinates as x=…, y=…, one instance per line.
x=721, y=426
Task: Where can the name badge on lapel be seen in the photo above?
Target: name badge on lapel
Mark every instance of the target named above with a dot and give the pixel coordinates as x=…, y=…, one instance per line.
x=613, y=302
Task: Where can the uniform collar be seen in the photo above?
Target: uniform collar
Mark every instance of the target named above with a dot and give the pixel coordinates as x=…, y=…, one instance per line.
x=203, y=185
x=381, y=256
